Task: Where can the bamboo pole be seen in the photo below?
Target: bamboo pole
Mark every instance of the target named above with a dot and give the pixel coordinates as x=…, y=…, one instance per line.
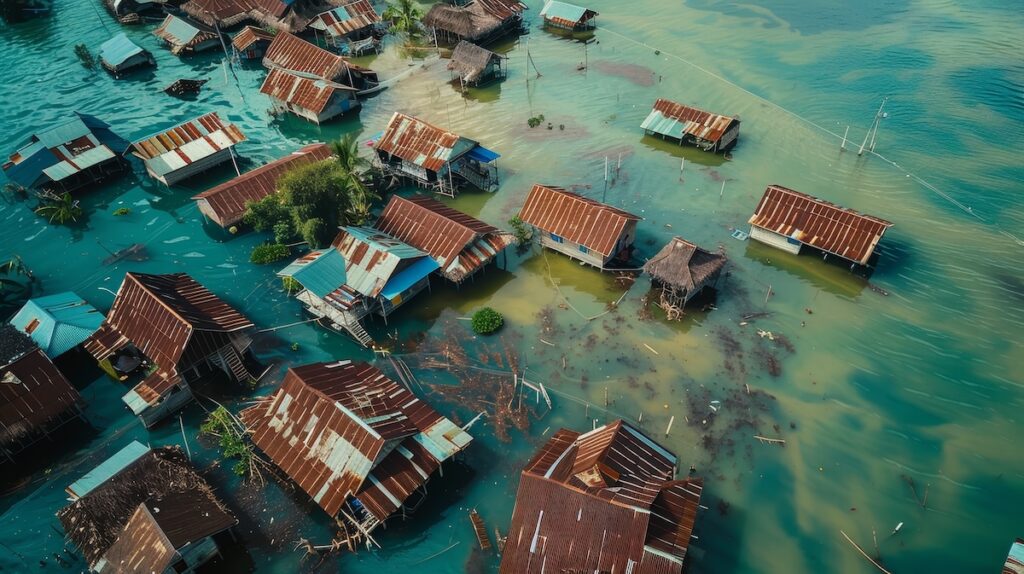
x=864, y=554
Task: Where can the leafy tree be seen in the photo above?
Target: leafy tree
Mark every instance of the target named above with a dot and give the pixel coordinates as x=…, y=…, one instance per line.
x=268, y=253
x=486, y=321
x=403, y=15
x=361, y=197
x=59, y=209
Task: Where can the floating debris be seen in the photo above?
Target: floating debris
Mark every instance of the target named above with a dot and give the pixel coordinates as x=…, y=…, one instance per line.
x=184, y=87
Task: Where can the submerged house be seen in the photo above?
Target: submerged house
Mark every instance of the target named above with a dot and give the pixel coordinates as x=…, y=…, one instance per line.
x=225, y=203
x=281, y=15
x=788, y=220
x=184, y=36
x=176, y=331
x=69, y=156
x=188, y=149
x=683, y=269
x=291, y=53
x=130, y=11
x=687, y=125
x=308, y=97
x=433, y=158
x=580, y=227
x=602, y=501
x=251, y=43
x=351, y=27
x=119, y=55
x=59, y=324
x=1015, y=559
x=35, y=398
x=362, y=446
x=475, y=65
x=478, y=21
x=567, y=16
x=461, y=245
x=145, y=510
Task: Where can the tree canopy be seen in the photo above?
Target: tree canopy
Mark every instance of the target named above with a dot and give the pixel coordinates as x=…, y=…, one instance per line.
x=313, y=200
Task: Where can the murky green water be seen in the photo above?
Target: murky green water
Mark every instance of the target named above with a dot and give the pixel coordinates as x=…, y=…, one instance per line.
x=921, y=384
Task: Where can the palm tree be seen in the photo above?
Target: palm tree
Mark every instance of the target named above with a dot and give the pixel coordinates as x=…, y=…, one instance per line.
x=403, y=15
x=59, y=209
x=346, y=151
x=360, y=197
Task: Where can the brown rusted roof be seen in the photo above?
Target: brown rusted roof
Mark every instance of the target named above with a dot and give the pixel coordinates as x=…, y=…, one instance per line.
x=818, y=223
x=225, y=203
x=360, y=15
x=33, y=392
x=704, y=125
x=601, y=501
x=593, y=224
x=310, y=93
x=333, y=426
x=459, y=243
x=228, y=13
x=684, y=264
x=417, y=141
x=250, y=35
x=293, y=53
x=208, y=128
x=474, y=20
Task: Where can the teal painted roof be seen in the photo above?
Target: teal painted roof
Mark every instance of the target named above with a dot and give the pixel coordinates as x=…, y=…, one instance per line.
x=61, y=322
x=563, y=11
x=319, y=272
x=383, y=242
x=108, y=468
x=82, y=161
x=661, y=124
x=118, y=49
x=180, y=29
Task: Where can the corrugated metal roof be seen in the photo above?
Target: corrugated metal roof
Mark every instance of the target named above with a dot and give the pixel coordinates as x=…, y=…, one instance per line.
x=182, y=33
x=86, y=159
x=310, y=92
x=140, y=547
x=118, y=49
x=320, y=272
x=1015, y=559
x=187, y=143
x=63, y=142
x=346, y=19
x=108, y=468
x=565, y=13
x=227, y=201
x=293, y=53
x=250, y=35
x=579, y=219
x=58, y=322
x=33, y=393
x=673, y=120
x=818, y=223
x=373, y=258
x=421, y=143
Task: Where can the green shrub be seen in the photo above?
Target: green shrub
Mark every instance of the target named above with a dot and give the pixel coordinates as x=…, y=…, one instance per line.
x=486, y=321
x=520, y=230
x=268, y=253
x=122, y=211
x=290, y=285
x=535, y=121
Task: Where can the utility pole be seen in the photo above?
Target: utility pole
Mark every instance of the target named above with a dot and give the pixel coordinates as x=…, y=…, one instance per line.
x=873, y=131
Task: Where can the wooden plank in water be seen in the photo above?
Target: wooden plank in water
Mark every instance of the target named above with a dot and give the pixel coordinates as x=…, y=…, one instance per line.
x=480, y=530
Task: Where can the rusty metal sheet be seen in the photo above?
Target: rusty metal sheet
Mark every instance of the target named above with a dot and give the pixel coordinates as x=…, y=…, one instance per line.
x=249, y=36
x=818, y=223
x=417, y=141
x=290, y=52
x=312, y=94
x=579, y=219
x=33, y=393
x=348, y=18
x=674, y=119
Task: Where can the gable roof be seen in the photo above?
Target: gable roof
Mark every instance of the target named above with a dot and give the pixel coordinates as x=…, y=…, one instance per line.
x=227, y=201
x=250, y=35
x=818, y=223
x=421, y=143
x=58, y=322
x=582, y=220
x=182, y=33
x=118, y=49
x=343, y=430
x=674, y=120
x=565, y=13
x=470, y=60
x=350, y=17
x=297, y=55
x=684, y=264
x=307, y=92
x=187, y=143
x=321, y=272
x=459, y=244
x=474, y=20
x=377, y=264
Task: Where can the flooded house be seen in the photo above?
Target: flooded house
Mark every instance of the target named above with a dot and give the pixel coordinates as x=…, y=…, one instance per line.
x=281, y=15
x=460, y=244
x=175, y=332
x=477, y=21
x=291, y=53
x=131, y=11
x=430, y=157
x=75, y=153
x=120, y=55
x=188, y=149
x=225, y=203
x=251, y=43
x=362, y=446
x=309, y=97
x=1015, y=559
x=789, y=220
x=580, y=227
x=602, y=501
x=59, y=324
x=565, y=16
x=35, y=398
x=185, y=37
x=475, y=66
x=691, y=126
x=683, y=269
x=145, y=510
x=352, y=27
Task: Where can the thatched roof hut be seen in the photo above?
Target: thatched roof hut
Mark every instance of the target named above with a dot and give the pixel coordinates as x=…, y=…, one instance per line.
x=474, y=64
x=480, y=21
x=684, y=269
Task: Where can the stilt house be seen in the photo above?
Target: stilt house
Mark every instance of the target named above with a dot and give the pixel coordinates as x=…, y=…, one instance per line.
x=185, y=37
x=359, y=444
x=188, y=149
x=789, y=220
x=475, y=65
x=602, y=501
x=119, y=55
x=682, y=270
x=251, y=43
x=225, y=203
x=351, y=27
x=687, y=125
x=478, y=21
x=580, y=227
x=291, y=53
x=145, y=510
x=308, y=97
x=567, y=16
x=175, y=331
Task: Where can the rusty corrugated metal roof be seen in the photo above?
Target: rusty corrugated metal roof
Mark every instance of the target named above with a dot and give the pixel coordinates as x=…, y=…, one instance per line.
x=576, y=218
x=418, y=142
x=227, y=201
x=818, y=223
x=187, y=143
x=293, y=53
x=33, y=392
x=674, y=120
x=250, y=35
x=345, y=19
x=310, y=93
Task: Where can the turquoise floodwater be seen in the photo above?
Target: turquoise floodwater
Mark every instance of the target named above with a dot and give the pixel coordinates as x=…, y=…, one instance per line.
x=874, y=390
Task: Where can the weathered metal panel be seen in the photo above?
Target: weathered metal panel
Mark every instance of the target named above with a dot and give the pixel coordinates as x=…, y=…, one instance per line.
x=593, y=224
x=312, y=94
x=343, y=20
x=675, y=120
x=186, y=143
x=565, y=14
x=58, y=322
x=251, y=36
x=33, y=393
x=418, y=142
x=295, y=54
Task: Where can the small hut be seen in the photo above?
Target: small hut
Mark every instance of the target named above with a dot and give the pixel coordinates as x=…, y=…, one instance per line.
x=606, y=500
x=580, y=227
x=789, y=220
x=565, y=16
x=475, y=65
x=188, y=149
x=362, y=446
x=291, y=53
x=281, y=15
x=683, y=270
x=308, y=97
x=131, y=11
x=145, y=510
x=59, y=324
x=351, y=27
x=478, y=21
x=431, y=157
x=1015, y=559
x=184, y=36
x=225, y=203
x=251, y=43
x=120, y=55
x=688, y=125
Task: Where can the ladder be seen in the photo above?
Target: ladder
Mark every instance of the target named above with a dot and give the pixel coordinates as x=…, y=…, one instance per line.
x=234, y=362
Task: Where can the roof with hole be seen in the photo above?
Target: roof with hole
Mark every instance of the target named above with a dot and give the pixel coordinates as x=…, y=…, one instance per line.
x=582, y=220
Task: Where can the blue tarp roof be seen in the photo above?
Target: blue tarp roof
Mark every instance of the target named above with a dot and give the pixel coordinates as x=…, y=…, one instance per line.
x=58, y=323
x=408, y=277
x=108, y=468
x=118, y=49
x=319, y=273
x=482, y=154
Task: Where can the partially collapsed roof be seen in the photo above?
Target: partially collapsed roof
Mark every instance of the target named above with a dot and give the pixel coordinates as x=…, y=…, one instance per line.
x=595, y=225
x=684, y=264
x=674, y=120
x=250, y=35
x=187, y=143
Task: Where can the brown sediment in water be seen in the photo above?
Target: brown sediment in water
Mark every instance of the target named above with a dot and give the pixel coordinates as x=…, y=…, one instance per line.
x=639, y=75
